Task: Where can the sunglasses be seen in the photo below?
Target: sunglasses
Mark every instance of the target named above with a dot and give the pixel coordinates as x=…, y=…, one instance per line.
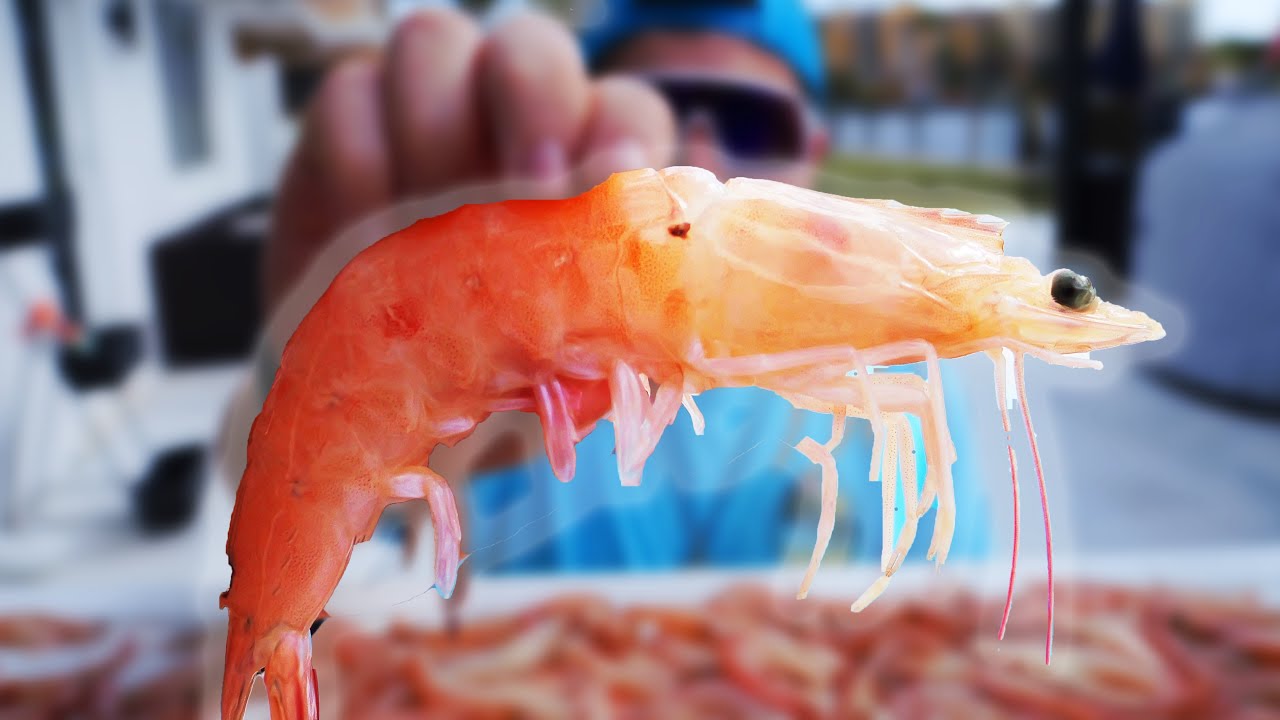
x=751, y=122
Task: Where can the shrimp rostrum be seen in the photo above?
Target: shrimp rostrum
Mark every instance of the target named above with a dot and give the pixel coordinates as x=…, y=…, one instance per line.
x=622, y=303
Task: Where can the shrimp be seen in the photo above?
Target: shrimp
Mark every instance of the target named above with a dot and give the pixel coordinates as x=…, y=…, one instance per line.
x=622, y=303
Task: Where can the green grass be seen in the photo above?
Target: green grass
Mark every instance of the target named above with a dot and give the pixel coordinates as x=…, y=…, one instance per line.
x=973, y=189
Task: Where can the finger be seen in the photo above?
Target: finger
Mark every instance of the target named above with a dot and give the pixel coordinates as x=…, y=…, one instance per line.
x=344, y=140
x=630, y=126
x=430, y=103
x=536, y=94
x=339, y=172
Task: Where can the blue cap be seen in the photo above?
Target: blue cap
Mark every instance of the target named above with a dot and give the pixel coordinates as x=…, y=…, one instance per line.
x=782, y=27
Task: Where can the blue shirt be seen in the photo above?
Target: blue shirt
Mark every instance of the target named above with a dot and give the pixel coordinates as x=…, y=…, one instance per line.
x=740, y=495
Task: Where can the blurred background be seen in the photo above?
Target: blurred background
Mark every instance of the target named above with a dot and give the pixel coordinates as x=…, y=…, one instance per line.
x=142, y=143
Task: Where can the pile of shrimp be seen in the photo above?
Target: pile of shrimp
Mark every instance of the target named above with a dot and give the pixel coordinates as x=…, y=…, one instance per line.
x=53, y=667
x=1122, y=654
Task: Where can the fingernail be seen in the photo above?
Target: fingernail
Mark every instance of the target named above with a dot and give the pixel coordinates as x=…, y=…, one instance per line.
x=547, y=163
x=626, y=155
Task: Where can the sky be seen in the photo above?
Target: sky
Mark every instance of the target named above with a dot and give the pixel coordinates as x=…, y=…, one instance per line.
x=1215, y=19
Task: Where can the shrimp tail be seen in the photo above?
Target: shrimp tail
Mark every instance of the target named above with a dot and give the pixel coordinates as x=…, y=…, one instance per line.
x=290, y=680
x=241, y=667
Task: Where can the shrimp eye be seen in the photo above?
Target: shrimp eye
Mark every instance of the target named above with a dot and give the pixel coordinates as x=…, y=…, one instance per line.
x=1072, y=290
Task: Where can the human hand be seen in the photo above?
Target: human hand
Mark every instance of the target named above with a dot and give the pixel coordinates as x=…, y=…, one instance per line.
x=442, y=116
x=445, y=105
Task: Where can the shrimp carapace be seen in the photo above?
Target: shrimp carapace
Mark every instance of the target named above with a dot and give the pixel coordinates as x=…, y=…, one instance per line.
x=621, y=303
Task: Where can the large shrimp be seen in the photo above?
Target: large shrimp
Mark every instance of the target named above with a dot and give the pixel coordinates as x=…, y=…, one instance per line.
x=621, y=303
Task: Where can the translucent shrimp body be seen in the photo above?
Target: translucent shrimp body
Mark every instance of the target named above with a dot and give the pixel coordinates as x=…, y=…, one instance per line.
x=621, y=304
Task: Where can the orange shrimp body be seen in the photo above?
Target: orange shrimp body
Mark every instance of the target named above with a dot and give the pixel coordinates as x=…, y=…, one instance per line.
x=570, y=309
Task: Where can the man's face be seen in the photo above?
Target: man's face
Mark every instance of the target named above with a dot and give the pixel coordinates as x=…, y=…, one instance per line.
x=741, y=111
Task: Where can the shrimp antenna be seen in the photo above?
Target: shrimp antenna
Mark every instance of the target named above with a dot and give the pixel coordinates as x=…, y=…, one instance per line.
x=1002, y=398
x=1019, y=373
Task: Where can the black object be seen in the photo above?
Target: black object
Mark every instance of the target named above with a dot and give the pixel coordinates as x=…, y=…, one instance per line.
x=169, y=494
x=1102, y=104
x=57, y=223
x=1072, y=25
x=121, y=19
x=102, y=358
x=21, y=223
x=208, y=290
x=297, y=84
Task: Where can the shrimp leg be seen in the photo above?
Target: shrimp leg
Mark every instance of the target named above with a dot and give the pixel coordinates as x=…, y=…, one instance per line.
x=798, y=369
x=558, y=428
x=695, y=415
x=423, y=483
x=802, y=369
x=921, y=401
x=889, y=491
x=944, y=529
x=821, y=455
x=895, y=393
x=816, y=364
x=666, y=404
x=629, y=399
x=906, y=457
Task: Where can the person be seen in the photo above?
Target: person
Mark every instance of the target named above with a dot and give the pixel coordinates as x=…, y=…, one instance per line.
x=1219, y=172
x=730, y=87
